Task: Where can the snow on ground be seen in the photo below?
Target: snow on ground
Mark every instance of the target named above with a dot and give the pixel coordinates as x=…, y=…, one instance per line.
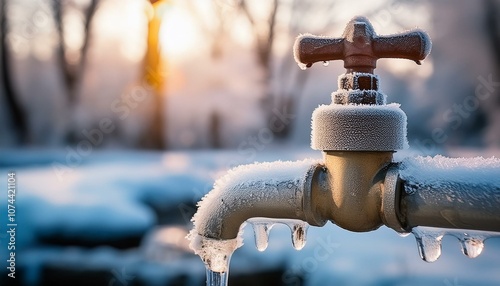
x=110, y=195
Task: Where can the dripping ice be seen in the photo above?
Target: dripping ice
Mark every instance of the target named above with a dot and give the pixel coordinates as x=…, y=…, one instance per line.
x=262, y=227
x=261, y=230
x=215, y=253
x=429, y=241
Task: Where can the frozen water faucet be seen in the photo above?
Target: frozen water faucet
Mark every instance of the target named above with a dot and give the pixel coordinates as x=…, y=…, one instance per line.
x=357, y=186
x=359, y=132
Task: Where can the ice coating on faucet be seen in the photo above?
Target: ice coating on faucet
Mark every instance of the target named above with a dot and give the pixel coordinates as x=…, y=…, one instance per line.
x=215, y=254
x=359, y=127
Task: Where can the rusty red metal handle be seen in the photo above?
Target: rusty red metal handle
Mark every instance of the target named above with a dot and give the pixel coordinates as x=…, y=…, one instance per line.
x=360, y=47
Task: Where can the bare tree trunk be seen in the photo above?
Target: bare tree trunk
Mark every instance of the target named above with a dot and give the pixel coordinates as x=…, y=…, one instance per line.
x=72, y=72
x=264, y=42
x=13, y=103
x=89, y=16
x=68, y=71
x=215, y=130
x=154, y=137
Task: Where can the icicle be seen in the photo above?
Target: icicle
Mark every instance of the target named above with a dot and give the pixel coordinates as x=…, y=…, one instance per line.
x=429, y=241
x=471, y=247
x=472, y=242
x=326, y=63
x=299, y=232
x=216, y=254
x=299, y=236
x=262, y=227
x=261, y=232
x=429, y=244
x=429, y=247
x=216, y=278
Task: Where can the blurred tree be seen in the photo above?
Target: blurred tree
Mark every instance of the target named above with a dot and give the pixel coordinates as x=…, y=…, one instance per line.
x=72, y=67
x=264, y=20
x=154, y=75
x=13, y=100
x=273, y=25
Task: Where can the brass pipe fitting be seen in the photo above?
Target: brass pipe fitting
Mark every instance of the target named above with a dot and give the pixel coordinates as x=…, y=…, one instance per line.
x=349, y=192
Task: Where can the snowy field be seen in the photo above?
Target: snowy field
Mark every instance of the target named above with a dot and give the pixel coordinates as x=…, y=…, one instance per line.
x=71, y=214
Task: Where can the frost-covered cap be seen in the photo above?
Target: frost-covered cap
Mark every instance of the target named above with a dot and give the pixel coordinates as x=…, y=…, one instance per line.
x=358, y=118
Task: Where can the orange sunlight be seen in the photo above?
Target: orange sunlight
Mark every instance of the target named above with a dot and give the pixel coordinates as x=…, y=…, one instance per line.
x=179, y=35
x=154, y=65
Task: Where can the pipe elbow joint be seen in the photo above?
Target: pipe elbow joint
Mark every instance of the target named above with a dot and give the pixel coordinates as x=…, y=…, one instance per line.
x=271, y=190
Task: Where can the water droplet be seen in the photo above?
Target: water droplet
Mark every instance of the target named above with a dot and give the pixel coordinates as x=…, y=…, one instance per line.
x=299, y=232
x=326, y=63
x=429, y=245
x=472, y=247
x=261, y=231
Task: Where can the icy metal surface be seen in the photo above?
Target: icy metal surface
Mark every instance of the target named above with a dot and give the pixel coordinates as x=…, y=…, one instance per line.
x=451, y=192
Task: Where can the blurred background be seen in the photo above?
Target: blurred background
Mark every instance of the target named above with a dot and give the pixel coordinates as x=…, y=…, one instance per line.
x=118, y=115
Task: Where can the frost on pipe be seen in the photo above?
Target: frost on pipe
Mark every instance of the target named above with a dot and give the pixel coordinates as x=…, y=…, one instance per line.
x=271, y=190
x=460, y=193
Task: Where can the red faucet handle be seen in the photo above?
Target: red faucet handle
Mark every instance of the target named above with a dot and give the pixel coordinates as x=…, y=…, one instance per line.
x=360, y=47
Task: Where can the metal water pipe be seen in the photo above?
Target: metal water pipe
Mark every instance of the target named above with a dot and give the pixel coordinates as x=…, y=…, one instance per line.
x=358, y=186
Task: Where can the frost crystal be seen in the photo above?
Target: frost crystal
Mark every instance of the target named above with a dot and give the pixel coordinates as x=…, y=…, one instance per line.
x=359, y=127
